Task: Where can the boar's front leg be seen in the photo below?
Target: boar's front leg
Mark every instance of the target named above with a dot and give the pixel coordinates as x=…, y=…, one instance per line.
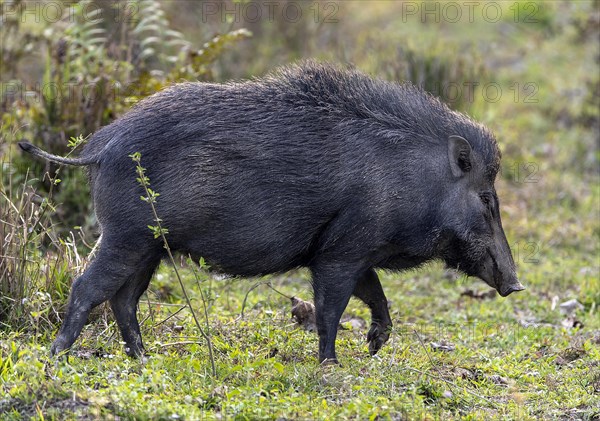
x=368, y=289
x=333, y=284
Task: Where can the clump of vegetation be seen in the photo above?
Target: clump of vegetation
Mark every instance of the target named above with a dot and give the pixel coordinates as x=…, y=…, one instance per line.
x=36, y=264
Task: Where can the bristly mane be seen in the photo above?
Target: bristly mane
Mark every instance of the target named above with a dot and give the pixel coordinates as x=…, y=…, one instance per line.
x=401, y=108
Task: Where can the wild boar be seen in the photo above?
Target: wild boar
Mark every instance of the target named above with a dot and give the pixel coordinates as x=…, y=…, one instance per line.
x=311, y=166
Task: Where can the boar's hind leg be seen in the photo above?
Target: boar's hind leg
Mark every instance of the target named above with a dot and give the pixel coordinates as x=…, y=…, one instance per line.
x=333, y=284
x=107, y=273
x=368, y=289
x=124, y=306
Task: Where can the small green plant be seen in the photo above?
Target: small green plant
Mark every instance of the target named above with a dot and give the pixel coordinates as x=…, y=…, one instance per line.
x=160, y=232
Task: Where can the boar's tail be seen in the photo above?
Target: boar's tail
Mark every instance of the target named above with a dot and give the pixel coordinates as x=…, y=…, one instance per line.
x=34, y=150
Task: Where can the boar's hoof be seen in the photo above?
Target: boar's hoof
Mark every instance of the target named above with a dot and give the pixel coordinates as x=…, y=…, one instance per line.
x=377, y=336
x=330, y=361
x=135, y=352
x=59, y=348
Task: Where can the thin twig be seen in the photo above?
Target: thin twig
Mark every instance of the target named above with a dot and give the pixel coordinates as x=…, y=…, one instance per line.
x=428, y=356
x=246, y=297
x=169, y=317
x=161, y=304
x=177, y=343
x=452, y=384
x=278, y=292
x=82, y=238
x=210, y=348
x=267, y=283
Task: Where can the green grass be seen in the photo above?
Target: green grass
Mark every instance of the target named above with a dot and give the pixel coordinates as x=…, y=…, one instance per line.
x=511, y=358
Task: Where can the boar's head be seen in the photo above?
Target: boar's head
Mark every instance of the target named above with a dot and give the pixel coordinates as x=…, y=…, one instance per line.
x=474, y=240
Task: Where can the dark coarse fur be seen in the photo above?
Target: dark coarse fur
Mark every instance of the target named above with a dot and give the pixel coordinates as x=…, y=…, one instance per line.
x=310, y=166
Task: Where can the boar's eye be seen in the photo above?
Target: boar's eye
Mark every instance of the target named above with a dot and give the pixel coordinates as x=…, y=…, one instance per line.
x=486, y=198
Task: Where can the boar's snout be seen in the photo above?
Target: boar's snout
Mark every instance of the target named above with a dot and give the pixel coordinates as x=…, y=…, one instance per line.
x=500, y=275
x=517, y=286
x=498, y=268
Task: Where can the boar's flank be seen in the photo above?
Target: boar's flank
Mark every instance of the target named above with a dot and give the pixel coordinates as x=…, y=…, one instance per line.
x=311, y=166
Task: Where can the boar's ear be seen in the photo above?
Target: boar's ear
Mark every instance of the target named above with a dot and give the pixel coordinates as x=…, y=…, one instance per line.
x=459, y=155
